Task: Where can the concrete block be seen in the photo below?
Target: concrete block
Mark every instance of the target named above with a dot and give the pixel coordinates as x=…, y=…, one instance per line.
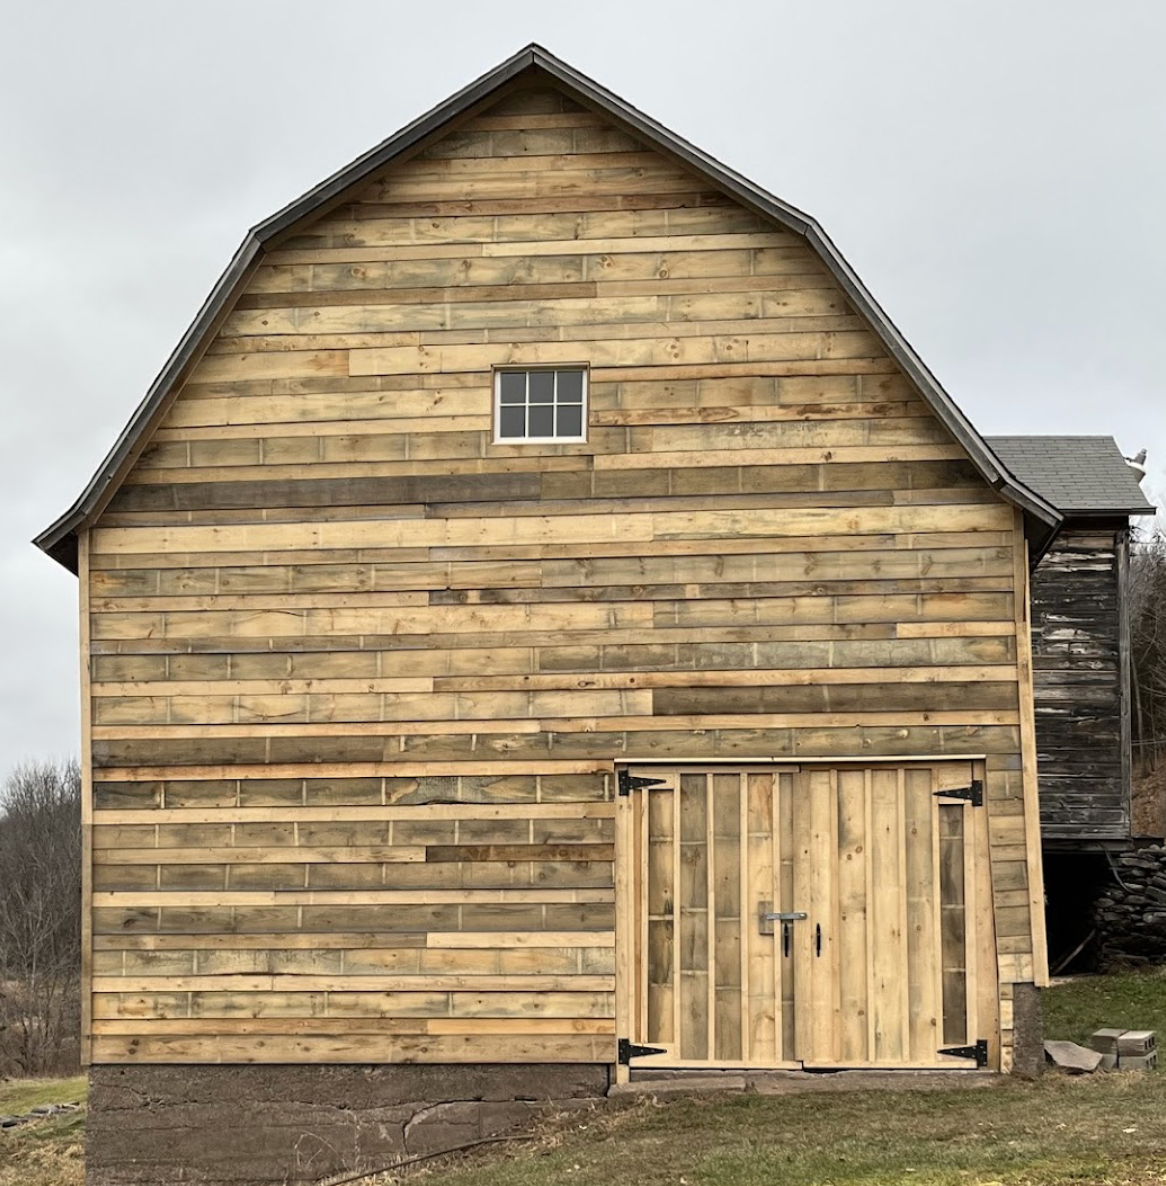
x=1105, y=1041
x=1136, y=1042
x=1138, y=1062
x=1109, y=1062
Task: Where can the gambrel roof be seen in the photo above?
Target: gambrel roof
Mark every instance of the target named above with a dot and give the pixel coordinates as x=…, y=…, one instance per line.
x=59, y=540
x=1079, y=475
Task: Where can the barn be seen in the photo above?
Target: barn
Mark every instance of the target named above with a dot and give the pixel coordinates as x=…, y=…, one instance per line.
x=544, y=625
x=1082, y=681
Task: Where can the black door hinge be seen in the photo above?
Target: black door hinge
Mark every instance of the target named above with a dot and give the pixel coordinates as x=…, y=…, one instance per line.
x=973, y=794
x=628, y=782
x=629, y=1050
x=978, y=1051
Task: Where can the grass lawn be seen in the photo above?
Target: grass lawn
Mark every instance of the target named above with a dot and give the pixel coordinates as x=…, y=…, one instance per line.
x=48, y=1152
x=1127, y=1000
x=1104, y=1129
x=1107, y=1129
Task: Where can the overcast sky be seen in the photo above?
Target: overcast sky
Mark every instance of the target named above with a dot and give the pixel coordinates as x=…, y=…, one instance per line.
x=995, y=171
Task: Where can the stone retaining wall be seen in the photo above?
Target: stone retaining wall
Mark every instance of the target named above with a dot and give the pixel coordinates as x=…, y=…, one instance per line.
x=293, y=1125
x=1130, y=914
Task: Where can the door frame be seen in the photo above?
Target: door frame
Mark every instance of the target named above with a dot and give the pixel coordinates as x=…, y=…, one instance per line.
x=631, y=923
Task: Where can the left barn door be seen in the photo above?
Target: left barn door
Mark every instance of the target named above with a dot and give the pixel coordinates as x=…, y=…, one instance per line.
x=706, y=977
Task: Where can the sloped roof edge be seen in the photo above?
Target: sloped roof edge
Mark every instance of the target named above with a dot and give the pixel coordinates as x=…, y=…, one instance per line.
x=59, y=539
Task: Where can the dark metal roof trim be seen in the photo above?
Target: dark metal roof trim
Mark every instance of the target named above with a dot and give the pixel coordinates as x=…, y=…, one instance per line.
x=58, y=540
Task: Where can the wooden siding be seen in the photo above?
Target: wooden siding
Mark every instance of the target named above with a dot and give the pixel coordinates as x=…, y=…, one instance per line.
x=360, y=676
x=1082, y=685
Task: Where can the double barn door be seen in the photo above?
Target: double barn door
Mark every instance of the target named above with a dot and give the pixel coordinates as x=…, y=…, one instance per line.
x=805, y=916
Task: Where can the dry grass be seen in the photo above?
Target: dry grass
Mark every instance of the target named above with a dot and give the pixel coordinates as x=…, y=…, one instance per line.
x=46, y=1152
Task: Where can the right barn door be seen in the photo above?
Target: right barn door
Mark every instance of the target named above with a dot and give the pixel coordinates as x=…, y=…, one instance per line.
x=886, y=968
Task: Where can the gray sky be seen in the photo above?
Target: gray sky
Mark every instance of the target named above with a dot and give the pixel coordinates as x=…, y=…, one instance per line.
x=996, y=173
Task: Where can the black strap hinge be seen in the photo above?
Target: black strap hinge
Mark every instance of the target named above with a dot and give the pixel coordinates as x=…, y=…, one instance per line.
x=628, y=782
x=978, y=1051
x=973, y=794
x=629, y=1050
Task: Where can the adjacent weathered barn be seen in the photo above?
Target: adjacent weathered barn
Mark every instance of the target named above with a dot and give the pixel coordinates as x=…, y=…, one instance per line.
x=427, y=726
x=1080, y=633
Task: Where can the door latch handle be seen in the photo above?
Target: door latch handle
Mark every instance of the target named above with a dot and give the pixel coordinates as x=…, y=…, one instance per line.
x=818, y=939
x=767, y=917
x=786, y=932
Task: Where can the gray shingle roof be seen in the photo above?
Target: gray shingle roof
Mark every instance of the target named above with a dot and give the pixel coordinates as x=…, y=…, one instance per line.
x=1082, y=475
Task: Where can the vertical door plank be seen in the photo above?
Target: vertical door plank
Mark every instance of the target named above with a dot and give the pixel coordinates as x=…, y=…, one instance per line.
x=801, y=849
x=983, y=953
x=822, y=923
x=783, y=834
x=905, y=975
x=640, y=803
x=726, y=1038
x=710, y=917
x=660, y=941
x=937, y=902
x=852, y=920
x=762, y=951
x=695, y=877
x=627, y=907
x=972, y=906
x=887, y=921
x=924, y=1005
x=868, y=830
x=747, y=912
x=952, y=888
x=678, y=890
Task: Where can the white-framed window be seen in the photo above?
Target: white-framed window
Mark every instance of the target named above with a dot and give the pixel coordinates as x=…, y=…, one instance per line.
x=534, y=405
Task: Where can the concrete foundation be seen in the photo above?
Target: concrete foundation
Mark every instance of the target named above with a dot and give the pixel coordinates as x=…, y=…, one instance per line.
x=293, y=1125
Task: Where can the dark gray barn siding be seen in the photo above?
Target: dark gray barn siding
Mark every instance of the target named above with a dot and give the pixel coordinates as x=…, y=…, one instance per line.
x=1080, y=683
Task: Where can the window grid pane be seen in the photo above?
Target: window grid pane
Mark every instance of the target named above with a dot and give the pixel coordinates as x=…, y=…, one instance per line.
x=541, y=405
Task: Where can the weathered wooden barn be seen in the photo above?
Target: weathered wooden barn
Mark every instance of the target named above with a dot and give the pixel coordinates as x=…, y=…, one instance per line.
x=1080, y=640
x=1081, y=675
x=544, y=621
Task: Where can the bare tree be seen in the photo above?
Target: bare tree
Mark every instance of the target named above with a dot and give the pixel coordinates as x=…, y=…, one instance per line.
x=1148, y=638
x=1147, y=610
x=40, y=917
